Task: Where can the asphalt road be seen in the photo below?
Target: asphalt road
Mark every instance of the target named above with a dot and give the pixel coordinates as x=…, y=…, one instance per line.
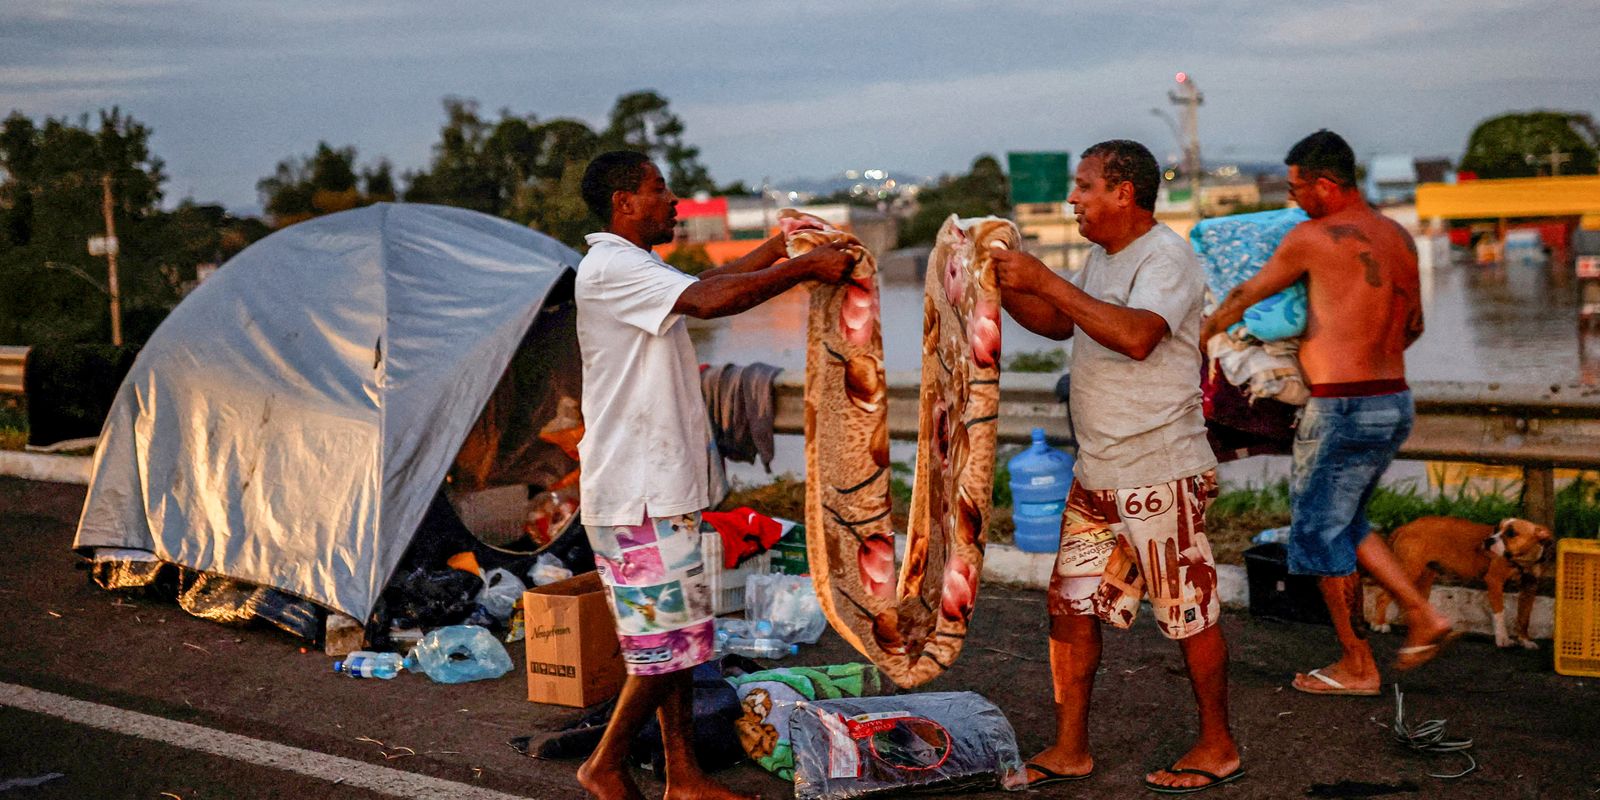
x=275, y=722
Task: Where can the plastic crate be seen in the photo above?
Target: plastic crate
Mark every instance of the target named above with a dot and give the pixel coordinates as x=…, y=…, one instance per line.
x=1577, y=643
x=727, y=585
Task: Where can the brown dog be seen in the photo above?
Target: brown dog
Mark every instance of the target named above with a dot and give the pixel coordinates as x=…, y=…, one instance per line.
x=1495, y=554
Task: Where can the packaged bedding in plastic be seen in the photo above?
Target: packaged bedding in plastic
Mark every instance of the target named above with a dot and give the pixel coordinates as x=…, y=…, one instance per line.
x=940, y=741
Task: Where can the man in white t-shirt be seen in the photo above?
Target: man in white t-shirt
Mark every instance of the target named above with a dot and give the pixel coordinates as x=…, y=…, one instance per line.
x=1135, y=518
x=644, y=451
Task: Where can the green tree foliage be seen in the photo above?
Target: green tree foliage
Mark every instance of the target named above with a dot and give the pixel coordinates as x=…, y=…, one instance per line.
x=528, y=170
x=641, y=121
x=324, y=182
x=1519, y=145
x=51, y=197
x=691, y=259
x=981, y=192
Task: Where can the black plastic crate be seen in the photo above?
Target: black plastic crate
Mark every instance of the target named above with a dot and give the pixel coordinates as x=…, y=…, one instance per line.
x=1277, y=594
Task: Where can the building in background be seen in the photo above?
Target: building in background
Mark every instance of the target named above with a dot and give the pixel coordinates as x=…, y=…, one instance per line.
x=1391, y=180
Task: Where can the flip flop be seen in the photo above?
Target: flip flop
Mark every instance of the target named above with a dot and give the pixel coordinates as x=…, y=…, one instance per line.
x=1051, y=776
x=1216, y=780
x=1413, y=656
x=1334, y=687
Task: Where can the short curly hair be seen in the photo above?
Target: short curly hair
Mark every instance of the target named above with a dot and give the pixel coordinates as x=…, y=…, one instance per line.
x=1127, y=160
x=609, y=173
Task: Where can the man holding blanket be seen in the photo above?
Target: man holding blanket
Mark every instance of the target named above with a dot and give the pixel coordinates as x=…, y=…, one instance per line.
x=1135, y=517
x=1365, y=309
x=645, y=451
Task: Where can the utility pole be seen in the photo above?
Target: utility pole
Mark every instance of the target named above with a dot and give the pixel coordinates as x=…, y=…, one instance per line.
x=1188, y=100
x=111, y=261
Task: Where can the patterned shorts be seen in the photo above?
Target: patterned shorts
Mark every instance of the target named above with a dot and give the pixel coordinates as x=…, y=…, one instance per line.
x=656, y=586
x=1119, y=544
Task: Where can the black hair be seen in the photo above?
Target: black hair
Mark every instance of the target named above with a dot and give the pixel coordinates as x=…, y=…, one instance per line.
x=1324, y=154
x=609, y=173
x=1127, y=160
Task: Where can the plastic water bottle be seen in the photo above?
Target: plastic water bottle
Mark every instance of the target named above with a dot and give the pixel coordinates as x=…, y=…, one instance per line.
x=761, y=648
x=1040, y=477
x=730, y=629
x=367, y=664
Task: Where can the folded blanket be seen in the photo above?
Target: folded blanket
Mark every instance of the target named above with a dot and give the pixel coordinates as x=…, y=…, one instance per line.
x=1232, y=250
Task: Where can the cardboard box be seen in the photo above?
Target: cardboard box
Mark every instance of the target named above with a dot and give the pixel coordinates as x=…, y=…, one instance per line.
x=573, y=655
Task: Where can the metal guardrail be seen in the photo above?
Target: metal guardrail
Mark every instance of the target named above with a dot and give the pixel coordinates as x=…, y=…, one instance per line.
x=1537, y=428
x=12, y=359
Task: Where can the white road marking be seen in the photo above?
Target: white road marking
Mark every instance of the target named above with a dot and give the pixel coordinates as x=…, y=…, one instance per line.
x=344, y=771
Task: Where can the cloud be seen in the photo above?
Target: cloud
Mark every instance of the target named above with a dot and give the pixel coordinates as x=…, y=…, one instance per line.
x=82, y=76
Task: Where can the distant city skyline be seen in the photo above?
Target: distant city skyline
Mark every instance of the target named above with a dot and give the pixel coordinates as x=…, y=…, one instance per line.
x=782, y=91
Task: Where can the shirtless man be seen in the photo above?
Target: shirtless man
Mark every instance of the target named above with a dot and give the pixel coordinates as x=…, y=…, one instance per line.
x=1365, y=310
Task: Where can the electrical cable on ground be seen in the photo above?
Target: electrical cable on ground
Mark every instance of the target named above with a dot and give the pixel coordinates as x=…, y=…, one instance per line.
x=1428, y=737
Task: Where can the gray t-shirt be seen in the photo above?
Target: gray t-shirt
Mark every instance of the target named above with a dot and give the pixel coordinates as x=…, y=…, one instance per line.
x=1139, y=423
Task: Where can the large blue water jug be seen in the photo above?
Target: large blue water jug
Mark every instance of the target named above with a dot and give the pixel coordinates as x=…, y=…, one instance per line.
x=1040, y=477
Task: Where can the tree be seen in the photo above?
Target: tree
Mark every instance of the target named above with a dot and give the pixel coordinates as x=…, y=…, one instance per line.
x=51, y=203
x=983, y=191
x=1521, y=145
x=529, y=170
x=641, y=121
x=322, y=183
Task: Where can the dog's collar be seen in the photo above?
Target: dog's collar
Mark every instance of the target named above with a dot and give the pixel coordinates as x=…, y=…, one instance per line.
x=1527, y=563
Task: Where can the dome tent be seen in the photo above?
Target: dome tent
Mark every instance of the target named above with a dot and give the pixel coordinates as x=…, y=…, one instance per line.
x=290, y=421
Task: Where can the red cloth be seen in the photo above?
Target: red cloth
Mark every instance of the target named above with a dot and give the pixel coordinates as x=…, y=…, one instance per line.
x=745, y=532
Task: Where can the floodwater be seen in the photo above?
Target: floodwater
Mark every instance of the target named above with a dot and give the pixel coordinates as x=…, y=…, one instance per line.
x=1508, y=323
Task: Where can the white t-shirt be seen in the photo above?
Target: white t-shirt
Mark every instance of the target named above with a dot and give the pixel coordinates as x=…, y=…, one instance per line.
x=1139, y=423
x=646, y=435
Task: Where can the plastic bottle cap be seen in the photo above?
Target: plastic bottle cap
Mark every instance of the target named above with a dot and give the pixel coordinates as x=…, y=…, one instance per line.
x=1038, y=435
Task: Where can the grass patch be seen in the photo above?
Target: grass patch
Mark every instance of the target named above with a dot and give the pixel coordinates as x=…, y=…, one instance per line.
x=1039, y=361
x=13, y=427
x=1239, y=514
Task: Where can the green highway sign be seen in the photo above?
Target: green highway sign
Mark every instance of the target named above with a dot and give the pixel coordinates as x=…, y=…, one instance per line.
x=1040, y=177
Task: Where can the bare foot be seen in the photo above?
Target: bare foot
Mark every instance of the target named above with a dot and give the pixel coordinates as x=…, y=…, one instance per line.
x=703, y=788
x=1427, y=632
x=1221, y=761
x=608, y=784
x=1337, y=678
x=1061, y=762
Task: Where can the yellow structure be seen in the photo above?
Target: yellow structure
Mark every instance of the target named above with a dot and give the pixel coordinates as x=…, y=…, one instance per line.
x=1505, y=198
x=1577, y=642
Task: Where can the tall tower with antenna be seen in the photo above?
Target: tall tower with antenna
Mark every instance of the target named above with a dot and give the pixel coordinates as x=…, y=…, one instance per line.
x=1187, y=98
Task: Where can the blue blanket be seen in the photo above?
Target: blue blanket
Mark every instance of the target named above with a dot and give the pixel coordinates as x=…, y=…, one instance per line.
x=1233, y=249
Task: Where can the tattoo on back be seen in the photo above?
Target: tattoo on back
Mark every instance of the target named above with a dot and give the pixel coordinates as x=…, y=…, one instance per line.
x=1343, y=232
x=1374, y=272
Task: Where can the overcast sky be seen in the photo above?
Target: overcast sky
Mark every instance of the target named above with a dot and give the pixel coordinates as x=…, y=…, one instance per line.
x=792, y=89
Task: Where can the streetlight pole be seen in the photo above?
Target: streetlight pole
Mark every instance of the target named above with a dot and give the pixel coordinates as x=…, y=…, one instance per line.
x=1188, y=100
x=111, y=261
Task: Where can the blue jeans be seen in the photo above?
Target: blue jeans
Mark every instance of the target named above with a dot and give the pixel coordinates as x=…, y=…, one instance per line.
x=1341, y=448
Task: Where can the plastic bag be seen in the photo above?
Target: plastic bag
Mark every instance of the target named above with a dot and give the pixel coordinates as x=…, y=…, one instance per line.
x=458, y=654
x=501, y=591
x=947, y=741
x=425, y=597
x=789, y=602
x=548, y=569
